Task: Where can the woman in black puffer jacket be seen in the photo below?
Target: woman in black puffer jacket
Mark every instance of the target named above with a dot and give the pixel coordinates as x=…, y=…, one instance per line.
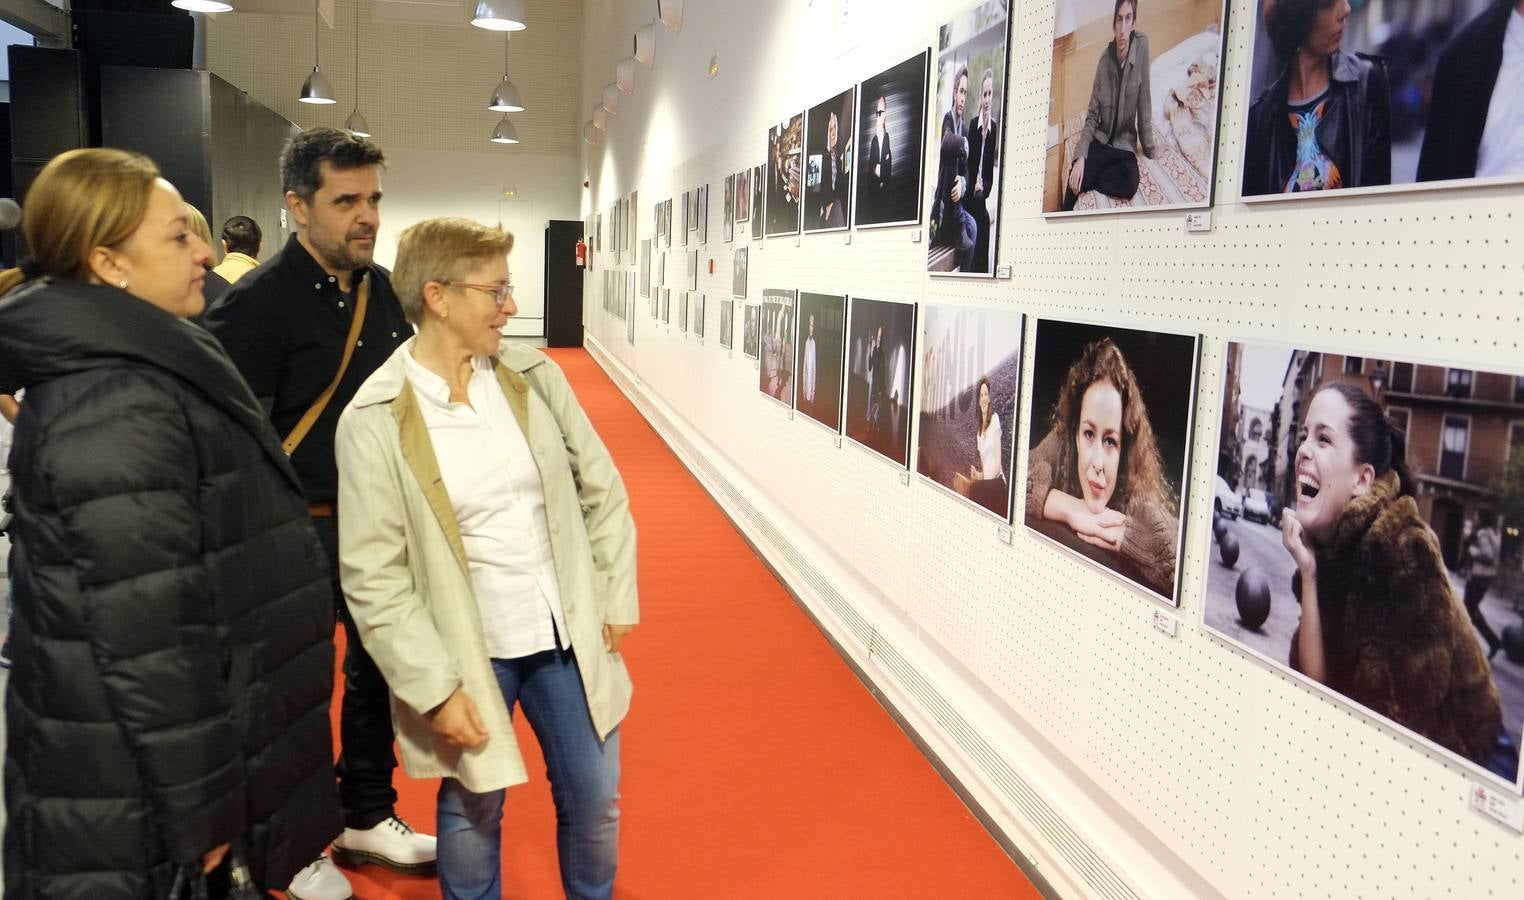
x=173, y=626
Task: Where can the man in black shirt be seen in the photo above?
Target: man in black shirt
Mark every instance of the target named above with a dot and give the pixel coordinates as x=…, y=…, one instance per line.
x=286, y=325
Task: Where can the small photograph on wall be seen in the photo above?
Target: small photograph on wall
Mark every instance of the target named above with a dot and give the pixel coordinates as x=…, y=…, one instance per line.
x=1429, y=91
x=822, y=325
x=828, y=155
x=598, y=235
x=880, y=341
x=966, y=142
x=661, y=269
x=776, y=373
x=785, y=176
x=695, y=201
x=629, y=330
x=645, y=268
x=687, y=216
x=743, y=196
x=727, y=323
x=1145, y=138
x=1391, y=490
x=970, y=381
x=666, y=223
x=698, y=316
x=738, y=273
x=757, y=180
x=728, y=228
x=1110, y=438
x=891, y=118
x=633, y=211
x=666, y=306
x=693, y=266
x=682, y=312
x=751, y=331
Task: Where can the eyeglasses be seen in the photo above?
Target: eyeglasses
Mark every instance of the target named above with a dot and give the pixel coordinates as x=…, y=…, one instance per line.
x=501, y=293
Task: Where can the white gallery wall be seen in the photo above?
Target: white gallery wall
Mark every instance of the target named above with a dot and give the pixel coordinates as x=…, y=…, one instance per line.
x=1120, y=761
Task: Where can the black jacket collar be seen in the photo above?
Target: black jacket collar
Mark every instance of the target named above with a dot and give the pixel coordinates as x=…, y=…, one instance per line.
x=296, y=260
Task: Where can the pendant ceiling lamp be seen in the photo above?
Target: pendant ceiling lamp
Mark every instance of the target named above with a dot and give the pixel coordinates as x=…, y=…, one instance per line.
x=203, y=6
x=671, y=14
x=645, y=45
x=356, y=124
x=499, y=15
x=316, y=88
x=611, y=99
x=505, y=97
x=505, y=133
x=624, y=74
x=600, y=118
x=590, y=133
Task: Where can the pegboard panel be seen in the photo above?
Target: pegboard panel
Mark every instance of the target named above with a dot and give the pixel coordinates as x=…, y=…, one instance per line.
x=1206, y=772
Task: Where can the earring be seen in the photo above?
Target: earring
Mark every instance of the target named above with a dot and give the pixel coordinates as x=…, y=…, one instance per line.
x=122, y=284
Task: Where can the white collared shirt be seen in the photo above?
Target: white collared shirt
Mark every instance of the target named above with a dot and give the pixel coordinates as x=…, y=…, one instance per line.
x=494, y=488
x=1502, y=149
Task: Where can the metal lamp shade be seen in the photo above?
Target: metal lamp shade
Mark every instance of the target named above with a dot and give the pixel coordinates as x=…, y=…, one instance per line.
x=203, y=6
x=590, y=133
x=611, y=99
x=499, y=15
x=600, y=118
x=505, y=133
x=316, y=88
x=671, y=14
x=356, y=125
x=506, y=99
x=624, y=74
x=645, y=45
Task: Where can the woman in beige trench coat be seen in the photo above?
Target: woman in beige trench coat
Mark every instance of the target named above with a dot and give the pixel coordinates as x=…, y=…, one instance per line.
x=488, y=557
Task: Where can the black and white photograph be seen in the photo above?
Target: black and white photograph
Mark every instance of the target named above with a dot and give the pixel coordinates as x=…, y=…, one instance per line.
x=822, y=325
x=693, y=267
x=785, y=176
x=666, y=306
x=891, y=119
x=1109, y=447
x=698, y=316
x=645, y=267
x=970, y=381
x=776, y=373
x=828, y=157
x=743, y=196
x=880, y=345
x=757, y=202
x=727, y=323
x=1133, y=101
x=738, y=273
x=682, y=312
x=730, y=208
x=1392, y=491
x=967, y=132
x=688, y=217
x=751, y=331
x=701, y=196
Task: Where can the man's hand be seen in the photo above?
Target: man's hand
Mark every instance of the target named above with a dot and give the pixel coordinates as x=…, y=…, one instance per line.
x=614, y=635
x=457, y=721
x=212, y=858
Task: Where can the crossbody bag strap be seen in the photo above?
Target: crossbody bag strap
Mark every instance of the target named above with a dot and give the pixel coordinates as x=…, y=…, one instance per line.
x=310, y=417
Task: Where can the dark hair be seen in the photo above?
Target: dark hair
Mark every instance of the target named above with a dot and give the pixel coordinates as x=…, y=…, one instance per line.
x=1116, y=10
x=985, y=415
x=961, y=75
x=1376, y=440
x=242, y=235
x=1288, y=22
x=302, y=156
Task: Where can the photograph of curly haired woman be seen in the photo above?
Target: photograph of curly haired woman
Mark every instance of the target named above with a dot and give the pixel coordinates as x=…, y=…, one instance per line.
x=1366, y=536
x=1110, y=445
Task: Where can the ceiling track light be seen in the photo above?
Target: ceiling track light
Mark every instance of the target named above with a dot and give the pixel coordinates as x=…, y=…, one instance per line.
x=316, y=88
x=356, y=124
x=645, y=45
x=505, y=97
x=499, y=15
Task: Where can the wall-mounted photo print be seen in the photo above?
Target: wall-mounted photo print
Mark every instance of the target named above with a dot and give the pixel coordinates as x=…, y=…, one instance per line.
x=687, y=215
x=891, y=118
x=666, y=223
x=880, y=343
x=751, y=331
x=738, y=273
x=785, y=176
x=666, y=306
x=727, y=323
x=776, y=374
x=682, y=312
x=757, y=183
x=970, y=379
x=822, y=326
x=629, y=329
x=632, y=213
x=701, y=196
x=698, y=316
x=645, y=268
x=828, y=155
x=1381, y=97
x=1133, y=105
x=966, y=141
x=743, y=196
x=693, y=267
x=1393, y=492
x=728, y=227
x=1110, y=437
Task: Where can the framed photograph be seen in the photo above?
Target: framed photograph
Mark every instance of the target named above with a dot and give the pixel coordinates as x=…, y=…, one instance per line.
x=822, y=329
x=666, y=306
x=756, y=202
x=598, y=235
x=785, y=176
x=632, y=210
x=966, y=138
x=702, y=196
x=687, y=216
x=970, y=390
x=727, y=323
x=629, y=329
x=751, y=331
x=693, y=208
x=828, y=156
x=698, y=316
x=738, y=273
x=1401, y=481
x=645, y=268
x=1155, y=147
x=728, y=228
x=693, y=267
x=743, y=196
x=880, y=344
x=1422, y=88
x=1110, y=438
x=891, y=118
x=682, y=312
x=776, y=373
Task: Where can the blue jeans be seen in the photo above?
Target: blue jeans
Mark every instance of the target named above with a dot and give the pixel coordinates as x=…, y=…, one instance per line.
x=584, y=781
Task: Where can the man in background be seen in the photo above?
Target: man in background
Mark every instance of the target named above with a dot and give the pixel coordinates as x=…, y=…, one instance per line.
x=241, y=246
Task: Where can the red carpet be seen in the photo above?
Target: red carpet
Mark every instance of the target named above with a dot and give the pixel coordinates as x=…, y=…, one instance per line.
x=755, y=763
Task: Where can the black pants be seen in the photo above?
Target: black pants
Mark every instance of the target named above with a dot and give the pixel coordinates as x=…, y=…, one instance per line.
x=1111, y=171
x=366, y=759
x=1476, y=591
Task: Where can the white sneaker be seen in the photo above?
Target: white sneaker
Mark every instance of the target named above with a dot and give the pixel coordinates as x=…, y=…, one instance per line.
x=393, y=844
x=320, y=881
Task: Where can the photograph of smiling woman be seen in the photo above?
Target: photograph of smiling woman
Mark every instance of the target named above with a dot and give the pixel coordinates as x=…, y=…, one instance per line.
x=1110, y=435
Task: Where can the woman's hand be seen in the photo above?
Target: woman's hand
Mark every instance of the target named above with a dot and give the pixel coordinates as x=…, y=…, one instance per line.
x=1104, y=529
x=1295, y=541
x=1077, y=175
x=457, y=722
x=212, y=858
x=614, y=635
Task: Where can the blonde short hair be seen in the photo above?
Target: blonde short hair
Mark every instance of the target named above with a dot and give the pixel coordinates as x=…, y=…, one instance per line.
x=197, y=223
x=442, y=249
